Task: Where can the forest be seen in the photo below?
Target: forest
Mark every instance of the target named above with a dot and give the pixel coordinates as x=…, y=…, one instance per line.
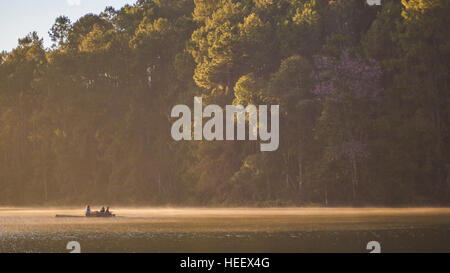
x=363, y=93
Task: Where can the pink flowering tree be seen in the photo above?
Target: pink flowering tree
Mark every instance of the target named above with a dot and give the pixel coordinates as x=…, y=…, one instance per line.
x=349, y=89
x=334, y=76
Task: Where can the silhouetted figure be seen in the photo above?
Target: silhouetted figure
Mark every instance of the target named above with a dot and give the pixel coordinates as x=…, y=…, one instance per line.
x=102, y=210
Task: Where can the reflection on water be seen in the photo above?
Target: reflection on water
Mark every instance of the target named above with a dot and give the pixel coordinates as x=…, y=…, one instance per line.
x=227, y=230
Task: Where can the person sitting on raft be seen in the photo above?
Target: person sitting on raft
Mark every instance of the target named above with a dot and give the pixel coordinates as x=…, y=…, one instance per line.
x=102, y=211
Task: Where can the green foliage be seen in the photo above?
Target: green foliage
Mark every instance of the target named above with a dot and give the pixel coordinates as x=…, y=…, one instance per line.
x=88, y=120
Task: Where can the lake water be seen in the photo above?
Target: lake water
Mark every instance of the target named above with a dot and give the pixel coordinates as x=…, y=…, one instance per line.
x=227, y=230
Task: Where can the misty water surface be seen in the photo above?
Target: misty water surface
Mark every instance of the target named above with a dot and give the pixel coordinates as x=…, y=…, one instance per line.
x=227, y=230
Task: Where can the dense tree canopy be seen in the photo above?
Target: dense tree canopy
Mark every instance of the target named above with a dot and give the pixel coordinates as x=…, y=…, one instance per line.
x=363, y=93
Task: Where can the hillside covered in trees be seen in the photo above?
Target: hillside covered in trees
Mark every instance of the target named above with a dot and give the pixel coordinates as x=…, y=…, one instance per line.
x=363, y=94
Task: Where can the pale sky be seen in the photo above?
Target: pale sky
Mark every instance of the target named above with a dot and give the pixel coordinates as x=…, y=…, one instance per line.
x=20, y=17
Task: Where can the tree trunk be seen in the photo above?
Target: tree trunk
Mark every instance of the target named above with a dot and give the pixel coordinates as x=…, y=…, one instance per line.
x=286, y=161
x=354, y=177
x=159, y=184
x=448, y=184
x=45, y=189
x=300, y=174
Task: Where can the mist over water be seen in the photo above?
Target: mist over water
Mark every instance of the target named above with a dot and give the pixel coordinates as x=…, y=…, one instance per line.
x=227, y=230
